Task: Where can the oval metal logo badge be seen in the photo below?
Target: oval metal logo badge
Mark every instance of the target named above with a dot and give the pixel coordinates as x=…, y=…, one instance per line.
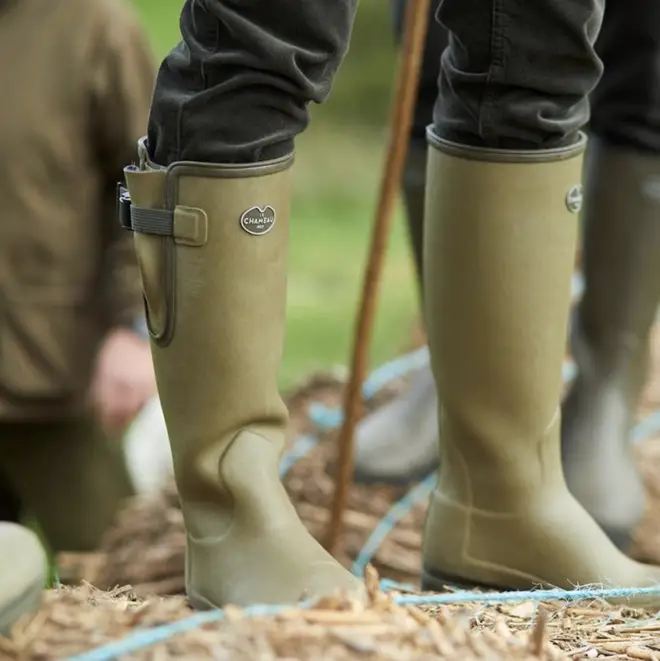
x=258, y=220
x=574, y=199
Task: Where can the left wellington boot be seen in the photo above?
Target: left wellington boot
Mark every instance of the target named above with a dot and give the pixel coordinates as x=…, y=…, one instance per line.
x=212, y=244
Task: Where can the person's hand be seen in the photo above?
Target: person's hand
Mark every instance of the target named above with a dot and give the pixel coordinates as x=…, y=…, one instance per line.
x=123, y=381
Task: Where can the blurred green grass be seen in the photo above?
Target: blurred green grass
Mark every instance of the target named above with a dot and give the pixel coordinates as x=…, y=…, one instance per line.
x=339, y=160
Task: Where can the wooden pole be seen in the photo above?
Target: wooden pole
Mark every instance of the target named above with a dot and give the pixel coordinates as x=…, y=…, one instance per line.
x=401, y=115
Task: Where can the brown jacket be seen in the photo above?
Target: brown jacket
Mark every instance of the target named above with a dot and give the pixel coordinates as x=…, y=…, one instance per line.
x=76, y=78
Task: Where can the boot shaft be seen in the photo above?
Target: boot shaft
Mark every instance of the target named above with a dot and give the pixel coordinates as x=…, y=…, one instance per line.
x=215, y=289
x=621, y=264
x=501, y=230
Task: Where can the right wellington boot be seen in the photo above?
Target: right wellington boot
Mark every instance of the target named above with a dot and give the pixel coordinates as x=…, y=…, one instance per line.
x=501, y=231
x=398, y=443
x=23, y=569
x=212, y=246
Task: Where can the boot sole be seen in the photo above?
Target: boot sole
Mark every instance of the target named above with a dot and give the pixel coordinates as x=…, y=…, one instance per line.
x=28, y=602
x=199, y=603
x=435, y=581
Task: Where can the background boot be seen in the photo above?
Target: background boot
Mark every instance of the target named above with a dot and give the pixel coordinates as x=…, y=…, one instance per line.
x=212, y=245
x=398, y=443
x=23, y=569
x=499, y=255
x=610, y=337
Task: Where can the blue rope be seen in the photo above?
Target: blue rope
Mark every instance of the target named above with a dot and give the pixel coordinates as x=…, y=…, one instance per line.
x=324, y=416
x=387, y=584
x=149, y=637
x=301, y=448
x=417, y=494
x=646, y=428
x=579, y=594
x=331, y=418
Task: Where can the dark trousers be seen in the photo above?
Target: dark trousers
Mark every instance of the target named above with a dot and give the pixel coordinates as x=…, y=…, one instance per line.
x=625, y=105
x=515, y=75
x=67, y=475
x=11, y=508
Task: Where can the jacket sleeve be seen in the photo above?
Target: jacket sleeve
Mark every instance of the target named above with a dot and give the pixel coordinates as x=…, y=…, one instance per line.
x=123, y=75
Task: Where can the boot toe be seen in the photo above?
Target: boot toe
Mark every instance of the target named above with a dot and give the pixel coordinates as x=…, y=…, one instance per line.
x=328, y=577
x=553, y=543
x=274, y=568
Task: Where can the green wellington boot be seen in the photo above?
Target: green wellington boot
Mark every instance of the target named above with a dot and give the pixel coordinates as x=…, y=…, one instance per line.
x=501, y=230
x=23, y=568
x=398, y=443
x=212, y=245
x=621, y=266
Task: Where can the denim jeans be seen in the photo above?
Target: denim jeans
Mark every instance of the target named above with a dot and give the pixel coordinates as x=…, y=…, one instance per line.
x=516, y=74
x=625, y=105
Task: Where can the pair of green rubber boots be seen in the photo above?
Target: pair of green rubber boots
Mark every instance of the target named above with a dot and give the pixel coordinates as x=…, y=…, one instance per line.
x=501, y=231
